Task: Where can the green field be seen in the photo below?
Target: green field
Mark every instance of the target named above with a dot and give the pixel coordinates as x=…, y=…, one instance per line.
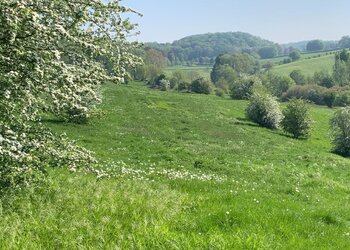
x=311, y=55
x=192, y=174
x=307, y=66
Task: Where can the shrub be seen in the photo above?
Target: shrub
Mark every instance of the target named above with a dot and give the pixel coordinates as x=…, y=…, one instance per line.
x=295, y=55
x=296, y=120
x=264, y=110
x=152, y=74
x=243, y=88
x=329, y=98
x=323, y=79
x=268, y=66
x=164, y=85
x=277, y=84
x=340, y=131
x=157, y=81
x=298, y=77
x=183, y=86
x=313, y=93
x=219, y=92
x=173, y=83
x=224, y=85
x=342, y=99
x=201, y=86
x=287, y=60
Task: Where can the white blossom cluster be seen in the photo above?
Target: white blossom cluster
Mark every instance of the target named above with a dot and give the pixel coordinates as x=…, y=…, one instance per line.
x=49, y=53
x=120, y=169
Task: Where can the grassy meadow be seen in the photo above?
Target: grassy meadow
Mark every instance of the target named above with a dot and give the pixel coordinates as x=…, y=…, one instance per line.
x=190, y=173
x=309, y=55
x=308, y=67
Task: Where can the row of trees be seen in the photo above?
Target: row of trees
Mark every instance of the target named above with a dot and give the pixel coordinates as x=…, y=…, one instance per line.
x=203, y=49
x=230, y=71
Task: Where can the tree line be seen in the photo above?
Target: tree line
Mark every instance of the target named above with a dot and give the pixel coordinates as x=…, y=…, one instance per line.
x=203, y=49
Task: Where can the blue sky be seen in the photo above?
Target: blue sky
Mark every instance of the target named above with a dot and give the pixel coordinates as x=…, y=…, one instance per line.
x=277, y=20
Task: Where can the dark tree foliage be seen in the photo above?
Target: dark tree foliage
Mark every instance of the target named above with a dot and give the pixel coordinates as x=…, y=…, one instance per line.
x=295, y=55
x=341, y=69
x=268, y=52
x=340, y=131
x=329, y=98
x=277, y=84
x=344, y=42
x=315, y=45
x=201, y=86
x=203, y=49
x=240, y=63
x=298, y=77
x=343, y=56
x=287, y=60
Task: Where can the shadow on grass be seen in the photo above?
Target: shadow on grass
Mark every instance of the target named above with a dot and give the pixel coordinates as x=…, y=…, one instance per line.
x=245, y=122
x=284, y=134
x=53, y=121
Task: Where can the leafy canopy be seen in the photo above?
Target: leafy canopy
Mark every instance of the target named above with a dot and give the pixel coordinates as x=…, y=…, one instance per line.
x=48, y=62
x=296, y=118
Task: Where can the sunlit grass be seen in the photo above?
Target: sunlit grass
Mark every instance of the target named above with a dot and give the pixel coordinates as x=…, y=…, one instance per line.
x=308, y=67
x=269, y=192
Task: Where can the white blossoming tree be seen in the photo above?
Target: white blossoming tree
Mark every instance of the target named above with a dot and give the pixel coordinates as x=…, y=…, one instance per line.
x=48, y=52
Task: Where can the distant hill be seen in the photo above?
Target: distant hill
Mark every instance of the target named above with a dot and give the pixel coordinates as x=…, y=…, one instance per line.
x=203, y=49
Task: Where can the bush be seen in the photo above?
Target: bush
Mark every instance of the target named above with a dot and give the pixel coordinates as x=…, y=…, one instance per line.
x=224, y=85
x=243, y=88
x=287, y=60
x=342, y=99
x=340, y=131
x=201, y=86
x=277, y=84
x=329, y=98
x=298, y=77
x=173, y=83
x=264, y=110
x=183, y=86
x=323, y=79
x=164, y=85
x=296, y=120
x=312, y=93
x=295, y=55
x=219, y=92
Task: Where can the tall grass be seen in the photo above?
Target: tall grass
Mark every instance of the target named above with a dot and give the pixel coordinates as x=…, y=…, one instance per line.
x=193, y=174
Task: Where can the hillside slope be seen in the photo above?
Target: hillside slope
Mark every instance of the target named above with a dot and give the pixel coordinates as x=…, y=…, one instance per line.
x=308, y=66
x=192, y=173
